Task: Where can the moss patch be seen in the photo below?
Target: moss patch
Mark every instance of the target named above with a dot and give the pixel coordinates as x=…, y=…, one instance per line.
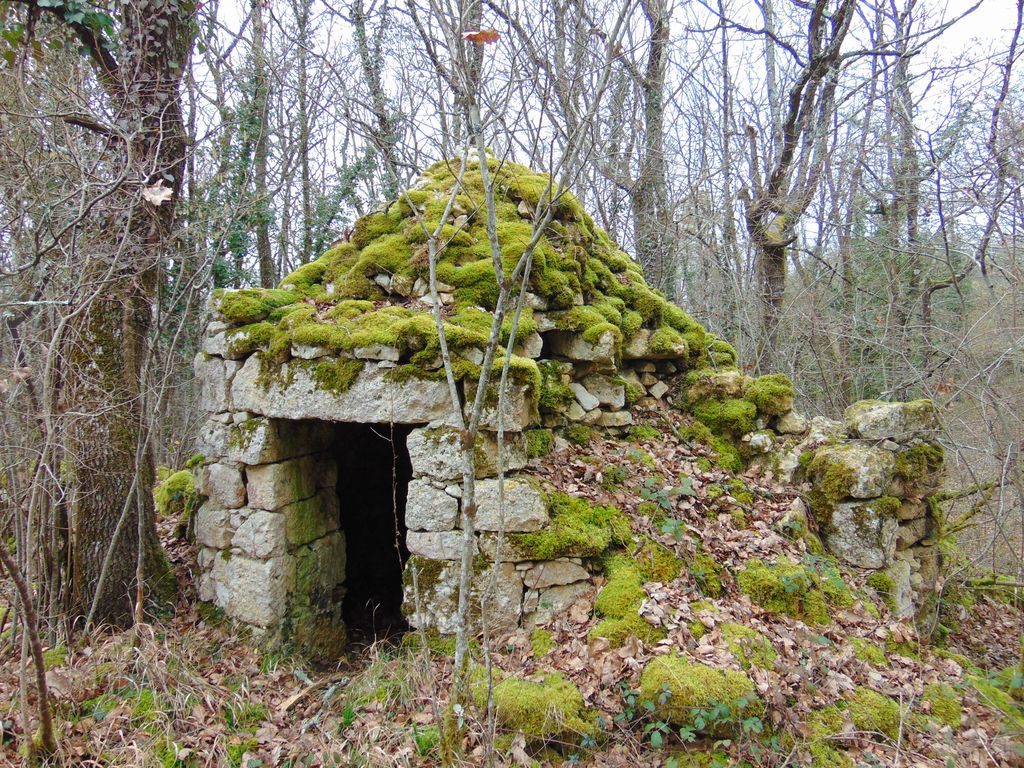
x=771, y=394
x=541, y=642
x=577, y=529
x=548, y=709
x=865, y=650
x=944, y=704
x=785, y=587
x=682, y=691
x=539, y=442
x=619, y=603
x=871, y=711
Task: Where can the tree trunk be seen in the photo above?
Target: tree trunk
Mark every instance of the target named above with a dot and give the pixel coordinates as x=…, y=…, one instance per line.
x=651, y=218
x=261, y=98
x=107, y=343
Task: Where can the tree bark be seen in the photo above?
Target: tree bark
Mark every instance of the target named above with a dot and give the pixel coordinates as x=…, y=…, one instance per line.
x=107, y=343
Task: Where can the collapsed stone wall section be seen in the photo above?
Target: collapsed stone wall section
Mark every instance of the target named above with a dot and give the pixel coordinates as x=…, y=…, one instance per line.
x=869, y=477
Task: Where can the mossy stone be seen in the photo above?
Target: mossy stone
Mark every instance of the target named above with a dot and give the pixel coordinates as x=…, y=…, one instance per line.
x=681, y=691
x=873, y=712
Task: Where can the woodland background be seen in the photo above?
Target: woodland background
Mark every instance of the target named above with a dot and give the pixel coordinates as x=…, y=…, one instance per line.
x=832, y=186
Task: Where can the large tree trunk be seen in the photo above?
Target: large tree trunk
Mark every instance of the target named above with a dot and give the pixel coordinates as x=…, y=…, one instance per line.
x=110, y=476
x=105, y=391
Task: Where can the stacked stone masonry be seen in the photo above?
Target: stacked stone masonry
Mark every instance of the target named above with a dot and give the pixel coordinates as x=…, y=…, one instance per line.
x=869, y=479
x=272, y=554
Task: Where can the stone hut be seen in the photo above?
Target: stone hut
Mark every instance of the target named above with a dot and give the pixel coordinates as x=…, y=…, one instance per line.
x=332, y=463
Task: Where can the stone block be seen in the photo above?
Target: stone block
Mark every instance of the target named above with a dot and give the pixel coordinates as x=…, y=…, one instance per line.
x=437, y=604
x=326, y=472
x=488, y=543
x=553, y=573
x=911, y=532
x=272, y=486
x=863, y=533
x=532, y=346
x=258, y=589
x=309, y=351
x=436, y=452
x=436, y=545
x=573, y=346
x=525, y=508
x=791, y=423
x=213, y=382
x=615, y=419
x=309, y=519
x=859, y=471
x=222, y=485
x=587, y=401
x=378, y=352
x=260, y=440
x=519, y=411
x=213, y=527
x=542, y=605
x=658, y=390
x=372, y=397
x=262, y=535
x=320, y=570
x=878, y=420
x=428, y=508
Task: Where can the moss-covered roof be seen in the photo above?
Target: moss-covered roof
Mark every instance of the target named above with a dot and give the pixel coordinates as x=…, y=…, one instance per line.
x=368, y=290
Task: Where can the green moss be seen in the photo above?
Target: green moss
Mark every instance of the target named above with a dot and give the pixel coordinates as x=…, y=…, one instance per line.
x=784, y=587
x=623, y=593
x=707, y=575
x=578, y=434
x=731, y=416
x=539, y=442
x=822, y=725
x=541, y=642
x=697, y=627
x=577, y=529
x=882, y=583
x=919, y=466
x=772, y=394
x=656, y=562
x=338, y=375
x=619, y=602
x=245, y=716
x=867, y=651
x=235, y=751
x=749, y=646
x=944, y=704
x=55, y=657
x=555, y=396
x=640, y=432
x=548, y=709
x=175, y=496
x=872, y=712
x=991, y=695
x=682, y=691
x=250, y=305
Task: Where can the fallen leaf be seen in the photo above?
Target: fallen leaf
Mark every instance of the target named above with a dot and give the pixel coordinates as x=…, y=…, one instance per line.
x=482, y=36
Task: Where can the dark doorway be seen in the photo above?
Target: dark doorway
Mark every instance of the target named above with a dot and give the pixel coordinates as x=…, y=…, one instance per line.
x=373, y=477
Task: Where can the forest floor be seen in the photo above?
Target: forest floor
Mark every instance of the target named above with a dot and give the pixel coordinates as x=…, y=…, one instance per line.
x=191, y=688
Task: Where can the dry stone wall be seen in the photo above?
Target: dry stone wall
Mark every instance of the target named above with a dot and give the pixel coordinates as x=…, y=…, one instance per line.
x=271, y=550
x=869, y=478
